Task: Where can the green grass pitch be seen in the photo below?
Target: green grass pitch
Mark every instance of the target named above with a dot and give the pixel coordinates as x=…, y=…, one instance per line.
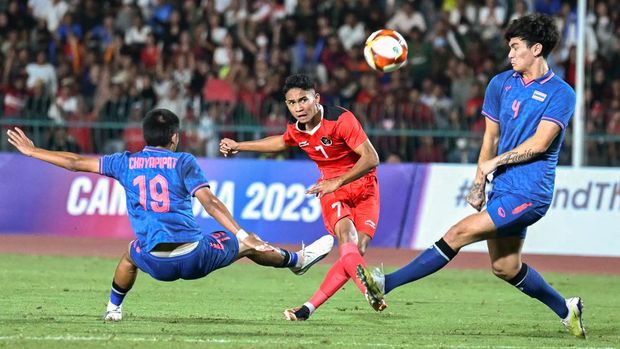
x=57, y=302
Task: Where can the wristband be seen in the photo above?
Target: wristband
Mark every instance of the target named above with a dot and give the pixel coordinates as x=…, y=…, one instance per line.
x=241, y=235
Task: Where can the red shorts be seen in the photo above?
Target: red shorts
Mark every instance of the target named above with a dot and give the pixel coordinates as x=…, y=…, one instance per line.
x=358, y=200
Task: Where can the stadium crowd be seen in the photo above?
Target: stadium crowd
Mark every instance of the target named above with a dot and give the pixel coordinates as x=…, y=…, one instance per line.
x=219, y=65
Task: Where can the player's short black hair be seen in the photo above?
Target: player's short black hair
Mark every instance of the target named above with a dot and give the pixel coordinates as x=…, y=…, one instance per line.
x=535, y=28
x=301, y=81
x=158, y=127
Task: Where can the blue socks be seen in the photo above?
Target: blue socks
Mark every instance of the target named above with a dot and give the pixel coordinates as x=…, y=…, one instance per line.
x=428, y=262
x=117, y=294
x=437, y=256
x=290, y=259
x=532, y=284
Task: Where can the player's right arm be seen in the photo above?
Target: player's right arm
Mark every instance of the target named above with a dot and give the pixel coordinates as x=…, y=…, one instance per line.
x=490, y=141
x=66, y=160
x=488, y=150
x=271, y=144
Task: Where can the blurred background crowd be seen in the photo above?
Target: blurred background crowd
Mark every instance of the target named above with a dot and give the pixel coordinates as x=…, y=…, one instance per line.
x=80, y=74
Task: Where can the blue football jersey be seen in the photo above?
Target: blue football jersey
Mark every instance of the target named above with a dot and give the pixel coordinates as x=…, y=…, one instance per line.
x=159, y=185
x=518, y=108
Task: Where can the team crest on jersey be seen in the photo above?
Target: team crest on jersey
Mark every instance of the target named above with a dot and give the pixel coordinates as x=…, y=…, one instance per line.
x=539, y=96
x=304, y=144
x=326, y=141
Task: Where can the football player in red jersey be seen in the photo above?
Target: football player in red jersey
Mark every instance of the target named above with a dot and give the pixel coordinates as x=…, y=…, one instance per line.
x=348, y=189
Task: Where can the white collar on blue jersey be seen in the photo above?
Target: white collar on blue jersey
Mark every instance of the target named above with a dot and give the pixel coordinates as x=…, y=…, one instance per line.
x=541, y=80
x=157, y=149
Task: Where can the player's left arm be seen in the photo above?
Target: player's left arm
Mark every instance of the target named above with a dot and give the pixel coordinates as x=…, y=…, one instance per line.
x=66, y=160
x=526, y=151
x=368, y=160
x=216, y=209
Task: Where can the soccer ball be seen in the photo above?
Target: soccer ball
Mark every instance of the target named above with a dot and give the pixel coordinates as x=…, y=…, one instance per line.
x=385, y=50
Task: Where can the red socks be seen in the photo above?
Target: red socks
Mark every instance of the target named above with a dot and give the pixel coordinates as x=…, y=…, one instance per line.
x=339, y=274
x=336, y=278
x=350, y=257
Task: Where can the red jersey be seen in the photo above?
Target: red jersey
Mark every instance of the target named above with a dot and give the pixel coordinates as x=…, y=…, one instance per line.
x=330, y=144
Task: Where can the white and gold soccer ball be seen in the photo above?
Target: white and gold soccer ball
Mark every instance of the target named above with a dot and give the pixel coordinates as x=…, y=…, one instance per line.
x=385, y=50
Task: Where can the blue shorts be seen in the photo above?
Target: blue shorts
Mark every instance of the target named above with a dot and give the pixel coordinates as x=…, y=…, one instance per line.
x=513, y=213
x=215, y=250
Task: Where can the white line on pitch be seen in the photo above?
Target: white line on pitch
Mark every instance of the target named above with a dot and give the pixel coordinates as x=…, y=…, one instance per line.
x=255, y=341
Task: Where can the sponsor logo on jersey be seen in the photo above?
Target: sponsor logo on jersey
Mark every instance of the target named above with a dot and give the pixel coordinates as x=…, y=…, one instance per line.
x=326, y=141
x=539, y=96
x=521, y=208
x=501, y=212
x=507, y=88
x=370, y=224
x=304, y=144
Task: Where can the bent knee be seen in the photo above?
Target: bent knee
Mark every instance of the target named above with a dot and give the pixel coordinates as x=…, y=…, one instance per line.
x=505, y=271
x=364, y=241
x=362, y=248
x=457, y=237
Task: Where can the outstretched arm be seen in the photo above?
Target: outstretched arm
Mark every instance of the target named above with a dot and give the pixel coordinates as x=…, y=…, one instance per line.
x=66, y=160
x=526, y=151
x=476, y=197
x=367, y=161
x=271, y=144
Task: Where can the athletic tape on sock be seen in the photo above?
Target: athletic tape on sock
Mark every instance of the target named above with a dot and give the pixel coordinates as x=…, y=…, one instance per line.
x=242, y=235
x=116, y=288
x=445, y=249
x=518, y=279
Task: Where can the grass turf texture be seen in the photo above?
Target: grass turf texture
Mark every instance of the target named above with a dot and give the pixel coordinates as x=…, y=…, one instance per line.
x=57, y=302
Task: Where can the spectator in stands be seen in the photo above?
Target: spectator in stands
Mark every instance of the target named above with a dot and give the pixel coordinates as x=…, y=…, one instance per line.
x=461, y=85
x=244, y=41
x=132, y=135
x=60, y=140
x=416, y=113
x=419, y=56
x=103, y=33
x=38, y=104
x=17, y=18
x=463, y=16
x=65, y=105
x=521, y=9
x=352, y=32
x=406, y=18
x=428, y=151
x=491, y=17
x=69, y=26
x=150, y=54
x=15, y=97
x=174, y=101
x=115, y=111
x=444, y=38
x=44, y=71
x=136, y=36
